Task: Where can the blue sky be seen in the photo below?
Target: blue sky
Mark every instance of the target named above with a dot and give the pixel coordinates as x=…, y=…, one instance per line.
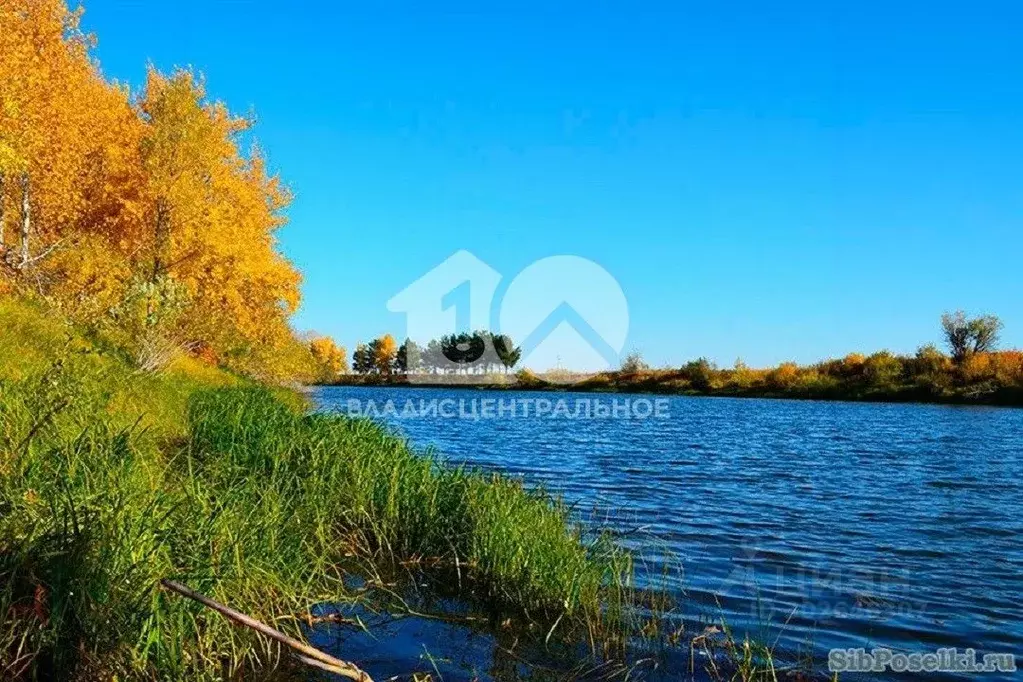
x=770, y=181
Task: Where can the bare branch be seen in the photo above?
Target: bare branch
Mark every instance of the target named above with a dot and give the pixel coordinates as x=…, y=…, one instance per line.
x=39, y=256
x=307, y=654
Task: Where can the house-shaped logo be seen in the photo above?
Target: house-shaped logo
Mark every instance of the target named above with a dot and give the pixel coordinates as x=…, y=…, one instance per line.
x=455, y=296
x=565, y=311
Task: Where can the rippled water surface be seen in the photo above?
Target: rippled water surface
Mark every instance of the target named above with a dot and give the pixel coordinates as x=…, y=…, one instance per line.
x=830, y=524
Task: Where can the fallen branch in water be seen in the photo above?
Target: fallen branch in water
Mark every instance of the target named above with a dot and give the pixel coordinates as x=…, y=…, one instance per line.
x=307, y=654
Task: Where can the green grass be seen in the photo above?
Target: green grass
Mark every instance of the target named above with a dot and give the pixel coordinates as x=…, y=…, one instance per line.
x=111, y=480
x=398, y=505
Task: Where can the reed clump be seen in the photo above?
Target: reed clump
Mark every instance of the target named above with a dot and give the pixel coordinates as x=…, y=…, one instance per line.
x=513, y=547
x=111, y=480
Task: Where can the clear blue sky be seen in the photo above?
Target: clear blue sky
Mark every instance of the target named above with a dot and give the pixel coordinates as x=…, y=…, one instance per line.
x=769, y=181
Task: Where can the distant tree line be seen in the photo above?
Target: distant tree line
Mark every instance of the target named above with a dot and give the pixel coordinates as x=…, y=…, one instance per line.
x=972, y=368
x=478, y=352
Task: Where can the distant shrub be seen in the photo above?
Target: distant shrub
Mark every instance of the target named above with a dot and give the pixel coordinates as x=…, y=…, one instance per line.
x=526, y=377
x=815, y=383
x=1004, y=368
x=741, y=376
x=976, y=368
x=936, y=384
x=600, y=380
x=930, y=369
x=882, y=369
x=784, y=376
x=560, y=375
x=633, y=362
x=1007, y=367
x=699, y=373
x=833, y=367
x=853, y=365
x=929, y=360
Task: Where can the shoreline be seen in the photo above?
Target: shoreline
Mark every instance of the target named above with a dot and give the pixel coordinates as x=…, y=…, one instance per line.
x=1006, y=398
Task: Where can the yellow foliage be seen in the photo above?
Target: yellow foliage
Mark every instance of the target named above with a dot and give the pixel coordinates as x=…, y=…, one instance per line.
x=385, y=351
x=853, y=363
x=67, y=133
x=783, y=376
x=331, y=359
x=742, y=376
x=122, y=192
x=213, y=214
x=1005, y=367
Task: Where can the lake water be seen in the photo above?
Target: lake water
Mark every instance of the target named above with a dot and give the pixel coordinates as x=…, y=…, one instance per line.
x=825, y=524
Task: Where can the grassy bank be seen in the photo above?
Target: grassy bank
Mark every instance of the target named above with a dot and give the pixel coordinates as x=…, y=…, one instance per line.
x=111, y=479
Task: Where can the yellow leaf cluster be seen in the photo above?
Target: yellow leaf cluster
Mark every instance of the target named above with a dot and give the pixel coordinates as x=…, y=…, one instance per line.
x=124, y=189
x=331, y=360
x=385, y=351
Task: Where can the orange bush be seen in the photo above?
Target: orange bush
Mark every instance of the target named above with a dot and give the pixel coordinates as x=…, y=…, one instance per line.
x=853, y=363
x=1004, y=367
x=783, y=376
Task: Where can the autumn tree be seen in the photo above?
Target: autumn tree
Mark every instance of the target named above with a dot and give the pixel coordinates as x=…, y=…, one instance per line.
x=331, y=359
x=968, y=336
x=187, y=153
x=211, y=214
x=66, y=154
x=103, y=199
x=384, y=351
x=109, y=203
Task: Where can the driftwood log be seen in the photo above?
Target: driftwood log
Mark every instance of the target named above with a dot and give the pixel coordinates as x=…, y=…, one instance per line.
x=305, y=653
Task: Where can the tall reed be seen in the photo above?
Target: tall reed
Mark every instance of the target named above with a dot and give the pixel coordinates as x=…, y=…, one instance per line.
x=239, y=493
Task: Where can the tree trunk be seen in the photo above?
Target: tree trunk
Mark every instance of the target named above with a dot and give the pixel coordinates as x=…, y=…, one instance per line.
x=3, y=244
x=161, y=240
x=26, y=219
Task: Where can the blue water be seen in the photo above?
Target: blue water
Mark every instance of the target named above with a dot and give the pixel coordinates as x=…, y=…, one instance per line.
x=820, y=524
